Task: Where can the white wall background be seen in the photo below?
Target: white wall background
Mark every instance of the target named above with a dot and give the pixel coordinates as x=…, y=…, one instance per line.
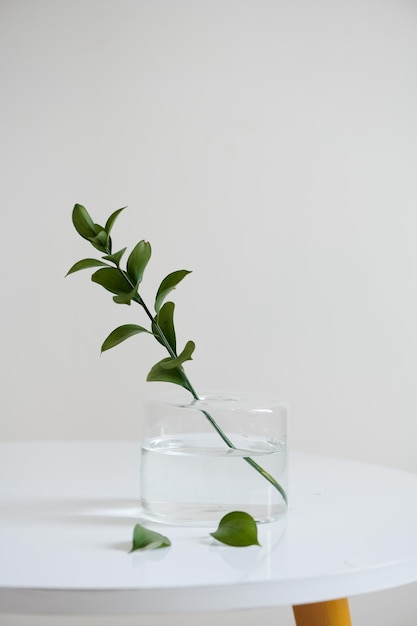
x=269, y=146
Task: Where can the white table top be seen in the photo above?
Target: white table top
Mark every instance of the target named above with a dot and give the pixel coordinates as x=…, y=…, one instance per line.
x=67, y=512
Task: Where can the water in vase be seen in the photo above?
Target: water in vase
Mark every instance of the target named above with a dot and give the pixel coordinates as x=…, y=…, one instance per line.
x=192, y=479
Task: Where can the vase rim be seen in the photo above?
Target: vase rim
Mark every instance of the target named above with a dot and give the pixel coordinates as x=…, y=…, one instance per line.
x=250, y=400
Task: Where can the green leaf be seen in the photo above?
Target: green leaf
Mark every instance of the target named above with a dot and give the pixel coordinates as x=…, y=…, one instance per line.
x=120, y=334
x=170, y=370
x=160, y=374
x=181, y=358
x=138, y=260
x=168, y=284
x=116, y=257
x=85, y=264
x=165, y=321
x=112, y=219
x=101, y=239
x=112, y=279
x=126, y=298
x=82, y=221
x=237, y=529
x=101, y=235
x=146, y=539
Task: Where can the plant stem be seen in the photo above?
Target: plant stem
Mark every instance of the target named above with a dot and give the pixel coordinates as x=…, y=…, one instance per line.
x=193, y=392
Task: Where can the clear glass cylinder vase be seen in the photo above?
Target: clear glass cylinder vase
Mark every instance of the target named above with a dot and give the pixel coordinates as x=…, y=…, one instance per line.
x=201, y=459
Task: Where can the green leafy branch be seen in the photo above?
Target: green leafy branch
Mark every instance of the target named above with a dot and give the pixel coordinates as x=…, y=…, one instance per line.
x=124, y=285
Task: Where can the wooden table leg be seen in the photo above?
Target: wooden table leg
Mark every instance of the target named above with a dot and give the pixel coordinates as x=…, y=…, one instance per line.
x=330, y=613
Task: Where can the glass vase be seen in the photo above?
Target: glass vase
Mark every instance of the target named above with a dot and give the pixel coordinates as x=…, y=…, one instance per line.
x=201, y=459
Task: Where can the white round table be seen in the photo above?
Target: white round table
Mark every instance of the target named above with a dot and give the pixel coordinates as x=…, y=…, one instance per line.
x=67, y=512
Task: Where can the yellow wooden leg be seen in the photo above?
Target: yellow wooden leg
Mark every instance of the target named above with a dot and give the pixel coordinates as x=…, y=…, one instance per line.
x=331, y=613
